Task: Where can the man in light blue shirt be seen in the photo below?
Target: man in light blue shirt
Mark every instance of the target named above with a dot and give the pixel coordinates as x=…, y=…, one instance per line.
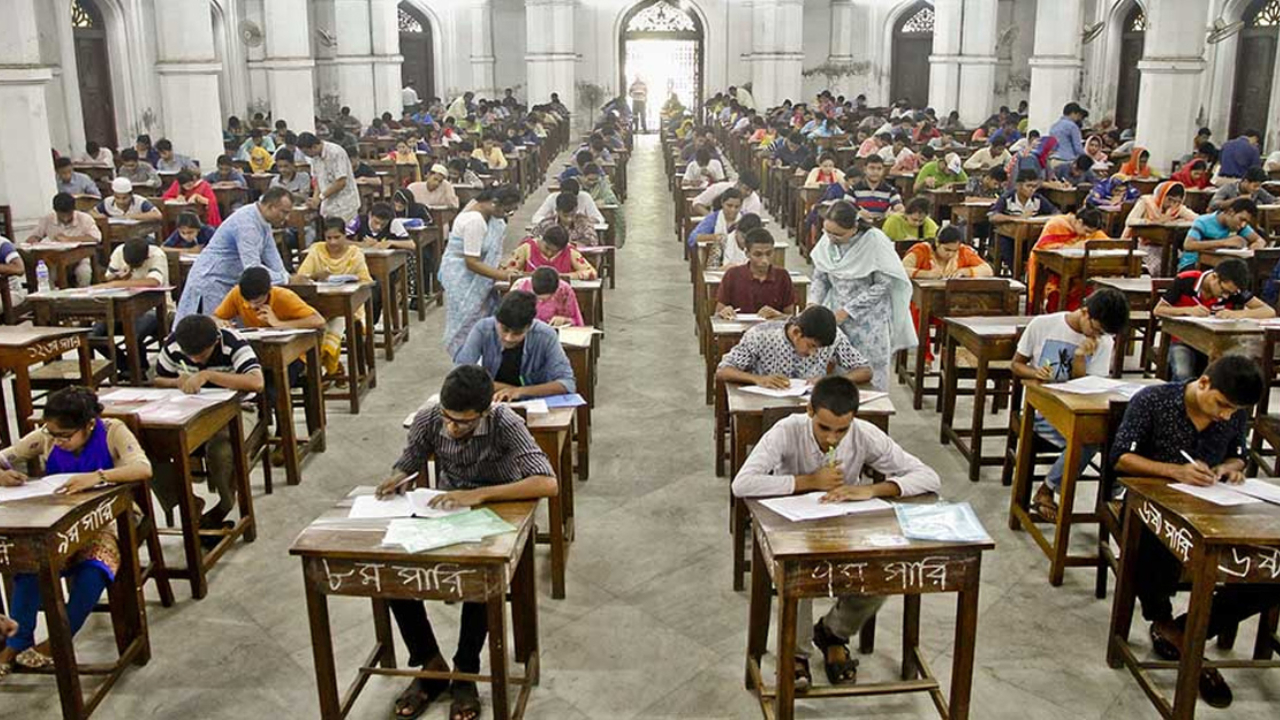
x=242, y=241
x=521, y=353
x=72, y=182
x=1067, y=132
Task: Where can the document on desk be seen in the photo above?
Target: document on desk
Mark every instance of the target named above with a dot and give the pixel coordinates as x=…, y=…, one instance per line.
x=415, y=503
x=1092, y=384
x=38, y=487
x=272, y=332
x=472, y=526
x=1220, y=494
x=797, y=388
x=1260, y=489
x=799, y=508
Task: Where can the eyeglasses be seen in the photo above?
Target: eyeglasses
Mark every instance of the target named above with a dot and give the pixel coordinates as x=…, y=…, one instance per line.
x=59, y=436
x=462, y=424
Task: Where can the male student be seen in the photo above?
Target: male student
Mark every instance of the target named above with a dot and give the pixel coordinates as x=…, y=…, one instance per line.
x=227, y=172
x=1222, y=292
x=123, y=203
x=13, y=271
x=72, y=182
x=586, y=205
x=1064, y=346
x=756, y=286
x=171, y=161
x=826, y=450
x=804, y=347
x=483, y=454
x=1226, y=228
x=136, y=171
x=1023, y=201
x=67, y=224
x=747, y=184
x=191, y=235
x=1250, y=186
x=1208, y=419
x=289, y=177
x=875, y=196
x=199, y=353
x=520, y=352
x=254, y=303
x=137, y=263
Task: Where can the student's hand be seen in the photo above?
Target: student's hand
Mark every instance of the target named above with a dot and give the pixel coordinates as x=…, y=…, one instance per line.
x=769, y=313
x=1196, y=473
x=191, y=384
x=848, y=493
x=313, y=202
x=1236, y=241
x=826, y=478
x=1229, y=474
x=508, y=394
x=1089, y=346
x=199, y=199
x=1199, y=311
x=8, y=628
x=79, y=483
x=928, y=274
x=457, y=499
x=12, y=478
x=931, y=182
x=1044, y=373
x=727, y=313
x=775, y=382
x=268, y=315
x=841, y=316
x=388, y=487
x=559, y=321
x=1230, y=314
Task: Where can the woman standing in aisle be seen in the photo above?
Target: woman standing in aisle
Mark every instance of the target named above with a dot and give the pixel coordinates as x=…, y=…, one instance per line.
x=471, y=263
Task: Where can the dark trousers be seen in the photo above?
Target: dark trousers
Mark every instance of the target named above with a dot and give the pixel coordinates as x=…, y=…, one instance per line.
x=420, y=639
x=296, y=370
x=145, y=327
x=1158, y=574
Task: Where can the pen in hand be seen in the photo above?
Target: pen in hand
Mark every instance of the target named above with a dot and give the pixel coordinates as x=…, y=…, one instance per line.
x=1193, y=461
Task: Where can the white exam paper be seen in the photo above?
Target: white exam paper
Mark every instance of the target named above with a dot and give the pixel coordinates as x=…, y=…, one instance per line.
x=1219, y=494
x=796, y=389
x=798, y=508
x=38, y=487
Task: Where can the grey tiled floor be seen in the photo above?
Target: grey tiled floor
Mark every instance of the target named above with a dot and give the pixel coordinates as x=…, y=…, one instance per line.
x=650, y=627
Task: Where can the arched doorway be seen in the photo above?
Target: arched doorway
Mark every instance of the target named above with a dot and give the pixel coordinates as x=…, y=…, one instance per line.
x=1255, y=67
x=1132, y=43
x=663, y=45
x=415, y=47
x=912, y=43
x=93, y=71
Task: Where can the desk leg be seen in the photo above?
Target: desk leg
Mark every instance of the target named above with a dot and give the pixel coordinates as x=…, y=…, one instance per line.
x=132, y=346
x=949, y=388
x=322, y=653
x=922, y=350
x=370, y=346
x=191, y=528
x=284, y=421
x=1066, y=505
x=1020, y=497
x=22, y=397
x=758, y=615
x=1126, y=588
x=243, y=491
x=84, y=354
x=421, y=295
x=584, y=442
x=979, y=411
x=129, y=619
x=1204, y=567
x=112, y=350
x=390, y=316
x=382, y=633
x=784, y=702
x=555, y=511
x=910, y=635
x=355, y=354
x=966, y=632
x=437, y=252
x=404, y=301
x=313, y=400
x=524, y=612
x=498, y=650
x=64, y=655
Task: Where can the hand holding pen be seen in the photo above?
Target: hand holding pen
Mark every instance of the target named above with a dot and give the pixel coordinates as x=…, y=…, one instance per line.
x=1195, y=472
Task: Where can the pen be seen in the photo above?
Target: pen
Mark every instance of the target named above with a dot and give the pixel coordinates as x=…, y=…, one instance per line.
x=1193, y=461
x=404, y=482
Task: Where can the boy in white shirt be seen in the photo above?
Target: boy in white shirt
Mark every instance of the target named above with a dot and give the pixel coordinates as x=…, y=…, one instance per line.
x=1064, y=346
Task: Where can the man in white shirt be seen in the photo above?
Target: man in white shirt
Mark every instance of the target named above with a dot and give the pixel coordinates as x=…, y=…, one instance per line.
x=336, y=193
x=586, y=206
x=826, y=450
x=747, y=184
x=984, y=158
x=409, y=97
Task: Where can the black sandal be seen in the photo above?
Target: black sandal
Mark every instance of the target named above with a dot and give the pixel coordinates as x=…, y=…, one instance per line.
x=840, y=672
x=1164, y=647
x=804, y=676
x=421, y=692
x=466, y=702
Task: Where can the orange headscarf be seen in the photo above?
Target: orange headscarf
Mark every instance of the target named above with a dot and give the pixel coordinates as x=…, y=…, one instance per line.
x=1059, y=232
x=1130, y=167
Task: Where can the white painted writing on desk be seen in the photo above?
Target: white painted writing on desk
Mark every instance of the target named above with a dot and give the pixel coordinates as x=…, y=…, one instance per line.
x=90, y=523
x=849, y=571
x=4, y=550
x=1242, y=562
x=56, y=346
x=916, y=574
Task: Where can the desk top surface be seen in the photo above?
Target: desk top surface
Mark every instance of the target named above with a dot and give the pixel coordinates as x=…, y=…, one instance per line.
x=1251, y=523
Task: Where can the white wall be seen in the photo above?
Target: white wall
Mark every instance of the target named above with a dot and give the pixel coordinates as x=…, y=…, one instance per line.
x=817, y=47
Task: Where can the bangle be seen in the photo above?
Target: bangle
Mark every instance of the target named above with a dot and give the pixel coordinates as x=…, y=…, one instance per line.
x=102, y=476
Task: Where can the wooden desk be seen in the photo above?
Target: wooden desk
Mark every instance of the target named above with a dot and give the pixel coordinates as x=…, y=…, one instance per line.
x=174, y=436
x=1215, y=544
x=1212, y=258
x=61, y=258
x=1071, y=268
x=582, y=347
x=1066, y=200
x=345, y=557
x=970, y=213
x=554, y=434
x=1214, y=338
x=230, y=196
x=724, y=335
x=1020, y=231
x=38, y=536
x=22, y=346
x=833, y=557
x=1169, y=236
x=117, y=231
x=989, y=340
x=943, y=199
x=276, y=352
x=109, y=305
x=1197, y=199
x=429, y=248
x=590, y=294
x=391, y=269
x=344, y=301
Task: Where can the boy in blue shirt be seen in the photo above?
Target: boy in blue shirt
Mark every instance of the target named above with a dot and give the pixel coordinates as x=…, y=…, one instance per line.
x=1227, y=228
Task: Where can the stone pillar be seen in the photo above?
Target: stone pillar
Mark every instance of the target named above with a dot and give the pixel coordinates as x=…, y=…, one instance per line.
x=1056, y=64
x=188, y=71
x=978, y=62
x=1171, y=66
x=550, y=60
x=290, y=83
x=944, y=62
x=26, y=165
x=777, y=51
x=480, y=17
x=385, y=34
x=354, y=58
x=843, y=29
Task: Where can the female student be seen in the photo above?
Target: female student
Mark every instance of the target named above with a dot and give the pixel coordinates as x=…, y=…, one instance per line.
x=1062, y=232
x=191, y=235
x=75, y=441
x=858, y=276
x=557, y=302
x=471, y=262
x=189, y=187
x=405, y=155
x=825, y=173
x=1194, y=174
x=552, y=250
x=335, y=256
x=595, y=183
x=912, y=224
x=1164, y=205
x=1136, y=166
x=719, y=223
x=945, y=256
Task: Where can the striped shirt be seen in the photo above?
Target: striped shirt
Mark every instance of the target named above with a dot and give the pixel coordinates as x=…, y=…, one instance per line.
x=876, y=200
x=233, y=355
x=498, y=452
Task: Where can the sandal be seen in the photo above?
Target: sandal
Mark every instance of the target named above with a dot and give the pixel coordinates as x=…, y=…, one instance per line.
x=466, y=702
x=839, y=672
x=804, y=676
x=32, y=659
x=5, y=669
x=1214, y=690
x=1165, y=647
x=1044, y=507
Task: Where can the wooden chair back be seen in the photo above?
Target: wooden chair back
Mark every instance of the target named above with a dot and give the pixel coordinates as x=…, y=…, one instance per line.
x=1261, y=265
x=1107, y=265
x=772, y=415
x=6, y=222
x=979, y=297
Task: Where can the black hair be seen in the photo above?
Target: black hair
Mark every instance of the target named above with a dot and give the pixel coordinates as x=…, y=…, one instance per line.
x=517, y=310
x=92, y=147
x=545, y=280
x=135, y=251
x=1234, y=271
x=505, y=195
x=584, y=157
x=729, y=194
x=749, y=179
x=189, y=220
x=748, y=222
x=195, y=334
x=566, y=202
x=61, y=162
x=143, y=140
x=557, y=236
x=919, y=204
x=592, y=169
x=835, y=393
x=335, y=223
x=163, y=145
x=1243, y=204
x=225, y=160
x=928, y=152
x=1110, y=308
x=184, y=176
x=255, y=282
x=948, y=235
x=570, y=186
x=1238, y=379
x=307, y=140
x=1027, y=175
x=998, y=174
x=1084, y=162
x=759, y=236
x=284, y=155
x=1256, y=174
x=72, y=407
x=1090, y=216
x=273, y=195
x=64, y=202
x=1253, y=134
x=703, y=157
x=128, y=155
x=382, y=210
x=467, y=388
x=817, y=323
x=844, y=214
x=873, y=159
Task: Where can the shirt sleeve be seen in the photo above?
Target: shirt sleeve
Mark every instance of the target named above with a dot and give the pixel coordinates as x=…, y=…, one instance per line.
x=473, y=232
x=229, y=309
x=557, y=367
x=116, y=264
x=288, y=306
x=421, y=443
x=522, y=450
x=125, y=448
x=1179, y=288
x=898, y=466
x=1135, y=427
x=472, y=350
x=848, y=358
x=168, y=365
x=756, y=476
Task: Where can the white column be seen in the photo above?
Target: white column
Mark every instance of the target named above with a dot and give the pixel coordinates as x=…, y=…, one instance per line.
x=978, y=63
x=1172, y=63
x=26, y=166
x=550, y=59
x=188, y=70
x=480, y=16
x=290, y=83
x=944, y=62
x=385, y=35
x=843, y=30
x=67, y=115
x=1056, y=64
x=777, y=51
x=354, y=58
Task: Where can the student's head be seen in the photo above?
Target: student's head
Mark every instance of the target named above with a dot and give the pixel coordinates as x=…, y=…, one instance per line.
x=812, y=329
x=729, y=203
x=1028, y=182
x=746, y=223
x=255, y=286
x=284, y=163
x=380, y=216
x=1083, y=164
x=135, y=252
x=197, y=337
x=566, y=207
x=1143, y=158
x=1228, y=278
x=1238, y=213
x=544, y=282
x=1173, y=197
x=129, y=158
x=918, y=209
x=591, y=174
x=946, y=244
x=189, y=226
x=335, y=235
x=995, y=177
x=748, y=182
x=841, y=223
x=514, y=317
x=91, y=148
x=402, y=147
x=310, y=144
x=465, y=397
x=874, y=168
x=1253, y=136
x=759, y=249
x=498, y=201
x=70, y=415
x=703, y=157
x=275, y=205
x=64, y=206
x=142, y=144
x=583, y=157
x=1105, y=312
x=225, y=165
x=553, y=241
x=122, y=192
x=1229, y=385
x=62, y=166
x=827, y=161
x=401, y=201
x=832, y=407
x=1088, y=220
x=164, y=148
x=1252, y=180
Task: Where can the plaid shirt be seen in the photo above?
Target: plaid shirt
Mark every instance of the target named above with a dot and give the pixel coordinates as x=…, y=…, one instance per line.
x=498, y=452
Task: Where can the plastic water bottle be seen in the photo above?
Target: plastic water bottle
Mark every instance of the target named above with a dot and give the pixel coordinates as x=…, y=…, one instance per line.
x=42, y=276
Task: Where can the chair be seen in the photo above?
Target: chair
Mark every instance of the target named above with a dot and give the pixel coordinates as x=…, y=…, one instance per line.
x=1266, y=425
x=1261, y=265
x=1151, y=364
x=962, y=297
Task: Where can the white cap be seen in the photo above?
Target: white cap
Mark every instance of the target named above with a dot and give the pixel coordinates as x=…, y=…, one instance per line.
x=121, y=185
x=440, y=170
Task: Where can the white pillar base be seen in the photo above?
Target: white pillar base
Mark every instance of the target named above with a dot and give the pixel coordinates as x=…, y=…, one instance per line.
x=26, y=169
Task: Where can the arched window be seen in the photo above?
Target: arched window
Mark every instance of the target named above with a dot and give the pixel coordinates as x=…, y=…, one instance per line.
x=416, y=48
x=912, y=44
x=1132, y=44
x=1255, y=67
x=93, y=72
x=661, y=44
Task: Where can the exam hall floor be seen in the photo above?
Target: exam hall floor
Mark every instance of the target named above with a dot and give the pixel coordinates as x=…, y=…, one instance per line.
x=651, y=627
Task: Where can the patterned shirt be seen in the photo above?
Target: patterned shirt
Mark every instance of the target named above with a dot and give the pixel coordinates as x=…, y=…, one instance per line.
x=233, y=355
x=498, y=452
x=1156, y=427
x=328, y=168
x=766, y=350
x=878, y=200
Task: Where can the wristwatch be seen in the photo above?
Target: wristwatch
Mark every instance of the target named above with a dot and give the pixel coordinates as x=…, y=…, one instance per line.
x=102, y=476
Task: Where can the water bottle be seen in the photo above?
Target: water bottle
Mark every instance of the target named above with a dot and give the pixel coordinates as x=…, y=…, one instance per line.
x=42, y=276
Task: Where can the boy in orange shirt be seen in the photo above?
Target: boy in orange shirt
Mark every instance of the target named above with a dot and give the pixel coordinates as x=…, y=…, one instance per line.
x=256, y=304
